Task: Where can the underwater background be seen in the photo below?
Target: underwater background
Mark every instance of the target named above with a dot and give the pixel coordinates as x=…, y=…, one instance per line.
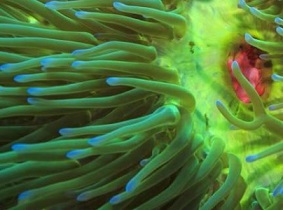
x=141, y=104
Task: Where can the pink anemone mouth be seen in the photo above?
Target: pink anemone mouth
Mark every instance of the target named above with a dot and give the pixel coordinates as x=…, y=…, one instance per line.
x=252, y=68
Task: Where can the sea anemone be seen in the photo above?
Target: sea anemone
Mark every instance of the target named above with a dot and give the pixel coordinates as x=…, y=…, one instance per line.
x=111, y=105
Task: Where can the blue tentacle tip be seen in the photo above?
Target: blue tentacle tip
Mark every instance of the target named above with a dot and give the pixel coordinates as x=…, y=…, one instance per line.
x=144, y=162
x=131, y=186
x=279, y=30
x=76, y=64
x=248, y=37
x=46, y=61
x=241, y=3
x=235, y=65
x=118, y=5
x=219, y=103
x=278, y=20
x=65, y=131
x=80, y=14
x=34, y=91
x=51, y=5
x=77, y=52
x=272, y=107
x=25, y=195
x=33, y=101
x=251, y=158
x=19, y=147
x=20, y=78
x=5, y=67
x=264, y=56
x=82, y=197
x=115, y=199
x=95, y=141
x=112, y=80
x=277, y=191
x=276, y=77
x=75, y=153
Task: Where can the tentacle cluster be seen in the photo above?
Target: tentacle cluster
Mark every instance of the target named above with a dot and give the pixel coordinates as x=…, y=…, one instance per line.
x=270, y=11
x=90, y=120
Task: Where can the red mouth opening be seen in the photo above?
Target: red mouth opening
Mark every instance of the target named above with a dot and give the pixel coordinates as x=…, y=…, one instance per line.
x=252, y=66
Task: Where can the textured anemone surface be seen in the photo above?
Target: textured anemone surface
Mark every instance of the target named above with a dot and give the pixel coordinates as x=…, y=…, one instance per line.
x=141, y=104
